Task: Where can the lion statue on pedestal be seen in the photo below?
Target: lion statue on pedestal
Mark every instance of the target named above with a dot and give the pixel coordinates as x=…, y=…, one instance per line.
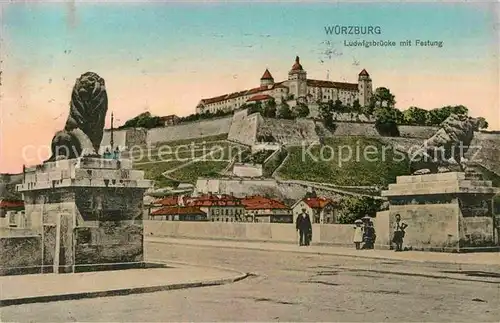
x=83, y=132
x=444, y=151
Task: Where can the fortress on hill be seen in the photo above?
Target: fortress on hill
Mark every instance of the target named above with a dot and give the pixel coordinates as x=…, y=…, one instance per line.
x=297, y=89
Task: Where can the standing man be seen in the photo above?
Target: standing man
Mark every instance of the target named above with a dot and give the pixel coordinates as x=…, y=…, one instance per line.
x=399, y=233
x=304, y=227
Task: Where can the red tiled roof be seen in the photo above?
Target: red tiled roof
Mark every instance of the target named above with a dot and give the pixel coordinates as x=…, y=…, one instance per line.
x=330, y=84
x=214, y=200
x=260, y=97
x=260, y=202
x=11, y=203
x=178, y=210
x=167, y=201
x=317, y=202
x=364, y=73
x=297, y=66
x=267, y=75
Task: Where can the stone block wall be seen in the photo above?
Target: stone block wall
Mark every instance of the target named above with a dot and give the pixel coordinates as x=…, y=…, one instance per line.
x=198, y=129
x=430, y=227
x=110, y=242
x=423, y=132
x=247, y=170
x=355, y=129
x=476, y=232
x=21, y=254
x=288, y=132
x=243, y=128
x=333, y=234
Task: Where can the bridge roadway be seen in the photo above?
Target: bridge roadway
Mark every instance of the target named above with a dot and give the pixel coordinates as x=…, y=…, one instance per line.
x=288, y=286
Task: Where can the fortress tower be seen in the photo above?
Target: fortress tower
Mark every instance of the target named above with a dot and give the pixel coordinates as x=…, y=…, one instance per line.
x=364, y=88
x=267, y=79
x=297, y=80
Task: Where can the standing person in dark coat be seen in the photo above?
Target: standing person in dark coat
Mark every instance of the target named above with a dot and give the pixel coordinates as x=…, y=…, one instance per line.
x=304, y=227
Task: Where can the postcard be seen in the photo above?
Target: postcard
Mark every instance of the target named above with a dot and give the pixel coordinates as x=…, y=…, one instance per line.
x=255, y=161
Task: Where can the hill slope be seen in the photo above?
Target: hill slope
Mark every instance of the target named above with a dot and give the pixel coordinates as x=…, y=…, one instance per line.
x=353, y=161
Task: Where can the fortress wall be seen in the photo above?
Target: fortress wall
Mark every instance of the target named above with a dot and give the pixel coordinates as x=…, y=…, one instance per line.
x=355, y=129
x=136, y=137
x=190, y=130
x=119, y=138
x=244, y=128
x=288, y=132
x=423, y=132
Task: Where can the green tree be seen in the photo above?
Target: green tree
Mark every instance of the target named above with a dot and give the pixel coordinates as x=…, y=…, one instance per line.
x=483, y=124
x=382, y=98
x=270, y=109
x=353, y=208
x=356, y=107
x=387, y=120
x=327, y=116
x=338, y=106
x=254, y=108
x=301, y=110
x=415, y=116
x=285, y=112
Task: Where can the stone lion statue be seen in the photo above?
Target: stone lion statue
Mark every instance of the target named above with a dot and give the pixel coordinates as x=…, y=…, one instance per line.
x=82, y=134
x=444, y=151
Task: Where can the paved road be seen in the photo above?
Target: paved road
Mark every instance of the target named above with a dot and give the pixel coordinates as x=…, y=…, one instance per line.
x=290, y=287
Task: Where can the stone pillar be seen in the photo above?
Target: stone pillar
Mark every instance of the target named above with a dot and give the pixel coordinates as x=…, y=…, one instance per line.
x=90, y=211
x=444, y=212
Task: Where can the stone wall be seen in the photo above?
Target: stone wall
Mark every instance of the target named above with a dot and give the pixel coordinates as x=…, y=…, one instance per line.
x=476, y=232
x=197, y=129
x=430, y=226
x=21, y=254
x=288, y=132
x=423, y=132
x=333, y=234
x=355, y=129
x=247, y=170
x=111, y=242
x=243, y=128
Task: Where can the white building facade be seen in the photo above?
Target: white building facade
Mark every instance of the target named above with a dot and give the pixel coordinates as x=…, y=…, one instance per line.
x=297, y=88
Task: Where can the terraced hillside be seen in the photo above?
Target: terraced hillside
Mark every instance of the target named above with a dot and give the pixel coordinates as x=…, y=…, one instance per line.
x=171, y=162
x=353, y=161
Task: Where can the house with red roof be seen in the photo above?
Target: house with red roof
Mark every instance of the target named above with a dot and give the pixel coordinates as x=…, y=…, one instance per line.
x=219, y=208
x=179, y=213
x=296, y=89
x=321, y=210
x=263, y=209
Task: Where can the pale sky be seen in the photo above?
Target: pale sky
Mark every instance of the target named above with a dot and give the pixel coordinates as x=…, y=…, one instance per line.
x=165, y=57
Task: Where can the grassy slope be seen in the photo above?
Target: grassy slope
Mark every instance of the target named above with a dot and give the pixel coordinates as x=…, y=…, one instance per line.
x=369, y=169
x=178, y=153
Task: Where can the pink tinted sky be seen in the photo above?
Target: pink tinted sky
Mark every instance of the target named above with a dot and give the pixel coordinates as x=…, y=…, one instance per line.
x=172, y=75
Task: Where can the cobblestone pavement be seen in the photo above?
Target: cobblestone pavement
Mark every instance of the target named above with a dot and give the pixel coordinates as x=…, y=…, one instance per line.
x=292, y=287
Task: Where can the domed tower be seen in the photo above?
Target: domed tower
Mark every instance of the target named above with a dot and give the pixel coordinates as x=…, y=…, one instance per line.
x=297, y=80
x=266, y=79
x=364, y=88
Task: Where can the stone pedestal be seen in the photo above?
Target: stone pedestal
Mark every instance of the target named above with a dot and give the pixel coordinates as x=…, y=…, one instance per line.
x=444, y=212
x=89, y=212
